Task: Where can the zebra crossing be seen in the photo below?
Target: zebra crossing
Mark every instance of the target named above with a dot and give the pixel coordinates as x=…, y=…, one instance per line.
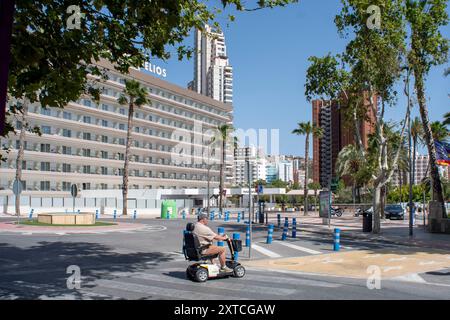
x=172, y=284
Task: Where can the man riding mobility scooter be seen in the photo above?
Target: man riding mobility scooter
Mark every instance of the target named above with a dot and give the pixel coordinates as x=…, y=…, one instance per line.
x=205, y=268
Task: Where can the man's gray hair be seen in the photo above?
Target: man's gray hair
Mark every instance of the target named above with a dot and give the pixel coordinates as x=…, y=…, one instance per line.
x=202, y=215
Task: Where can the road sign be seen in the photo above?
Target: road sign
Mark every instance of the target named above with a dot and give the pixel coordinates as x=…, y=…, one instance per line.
x=74, y=190
x=325, y=204
x=260, y=188
x=17, y=187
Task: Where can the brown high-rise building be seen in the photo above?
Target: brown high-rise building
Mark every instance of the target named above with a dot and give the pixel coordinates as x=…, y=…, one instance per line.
x=337, y=133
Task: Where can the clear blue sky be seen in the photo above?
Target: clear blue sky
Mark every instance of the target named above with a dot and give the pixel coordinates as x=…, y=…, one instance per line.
x=269, y=52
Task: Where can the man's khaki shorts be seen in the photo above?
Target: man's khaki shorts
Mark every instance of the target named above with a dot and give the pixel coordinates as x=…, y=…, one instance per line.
x=214, y=250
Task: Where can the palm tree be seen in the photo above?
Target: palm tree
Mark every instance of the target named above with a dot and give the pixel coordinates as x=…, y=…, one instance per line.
x=224, y=136
x=133, y=95
x=19, y=159
x=306, y=128
x=439, y=131
x=447, y=119
x=348, y=163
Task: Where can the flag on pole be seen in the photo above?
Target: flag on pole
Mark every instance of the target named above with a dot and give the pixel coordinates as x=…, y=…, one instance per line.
x=442, y=153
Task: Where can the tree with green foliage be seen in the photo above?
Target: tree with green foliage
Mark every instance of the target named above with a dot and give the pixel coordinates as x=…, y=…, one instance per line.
x=133, y=95
x=51, y=60
x=428, y=48
x=315, y=186
x=307, y=129
x=364, y=77
x=439, y=131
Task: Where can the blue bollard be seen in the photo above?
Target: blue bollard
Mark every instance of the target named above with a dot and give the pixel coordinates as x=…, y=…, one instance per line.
x=279, y=220
x=227, y=216
x=247, y=237
x=286, y=222
x=238, y=217
x=96, y=214
x=167, y=214
x=337, y=239
x=294, y=228
x=30, y=216
x=183, y=214
x=78, y=211
x=115, y=214
x=285, y=231
x=212, y=215
x=236, y=236
x=134, y=214
x=270, y=234
x=221, y=232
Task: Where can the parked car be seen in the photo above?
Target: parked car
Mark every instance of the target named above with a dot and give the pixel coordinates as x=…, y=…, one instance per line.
x=394, y=211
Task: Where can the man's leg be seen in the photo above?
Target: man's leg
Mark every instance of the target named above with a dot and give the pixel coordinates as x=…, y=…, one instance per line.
x=217, y=250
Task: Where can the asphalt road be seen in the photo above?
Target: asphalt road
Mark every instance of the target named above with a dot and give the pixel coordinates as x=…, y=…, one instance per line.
x=149, y=265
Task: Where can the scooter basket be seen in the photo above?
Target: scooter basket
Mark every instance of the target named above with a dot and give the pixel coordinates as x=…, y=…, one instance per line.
x=237, y=245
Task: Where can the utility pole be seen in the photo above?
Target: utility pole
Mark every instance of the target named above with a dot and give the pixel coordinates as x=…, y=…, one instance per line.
x=250, y=213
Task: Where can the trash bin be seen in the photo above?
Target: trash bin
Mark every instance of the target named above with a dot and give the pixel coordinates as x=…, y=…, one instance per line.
x=367, y=222
x=261, y=217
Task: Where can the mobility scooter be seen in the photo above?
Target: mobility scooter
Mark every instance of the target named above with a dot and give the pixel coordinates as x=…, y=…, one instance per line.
x=204, y=267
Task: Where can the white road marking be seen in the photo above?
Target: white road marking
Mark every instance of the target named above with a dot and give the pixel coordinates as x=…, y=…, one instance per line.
x=328, y=260
x=426, y=263
x=386, y=269
x=398, y=259
x=265, y=251
x=413, y=277
x=372, y=256
x=156, y=291
x=299, y=248
x=269, y=289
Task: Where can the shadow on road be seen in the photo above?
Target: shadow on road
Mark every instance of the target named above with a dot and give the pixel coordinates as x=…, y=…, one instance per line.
x=40, y=271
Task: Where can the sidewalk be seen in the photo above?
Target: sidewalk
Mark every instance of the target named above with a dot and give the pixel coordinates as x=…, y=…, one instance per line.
x=396, y=232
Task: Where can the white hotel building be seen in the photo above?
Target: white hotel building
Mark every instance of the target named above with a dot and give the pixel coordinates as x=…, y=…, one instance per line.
x=84, y=143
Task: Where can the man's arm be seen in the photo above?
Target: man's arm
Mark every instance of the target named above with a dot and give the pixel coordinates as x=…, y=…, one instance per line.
x=220, y=238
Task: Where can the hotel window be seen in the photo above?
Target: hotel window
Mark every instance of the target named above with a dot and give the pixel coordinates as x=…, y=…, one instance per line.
x=104, y=123
x=19, y=125
x=105, y=107
x=104, y=170
x=45, y=166
x=136, y=144
x=121, y=156
x=120, y=172
x=67, y=115
x=105, y=139
x=67, y=133
x=122, y=141
x=86, y=119
x=104, y=155
x=86, y=135
x=45, y=147
x=87, y=169
x=136, y=173
x=45, y=185
x=103, y=186
x=66, y=186
x=86, y=186
x=66, y=150
x=46, y=112
x=122, y=111
x=86, y=152
x=137, y=129
x=66, y=167
x=136, y=158
x=87, y=103
x=46, y=129
x=121, y=126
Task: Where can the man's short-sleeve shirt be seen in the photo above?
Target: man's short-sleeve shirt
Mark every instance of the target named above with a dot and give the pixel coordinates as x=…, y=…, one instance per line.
x=204, y=234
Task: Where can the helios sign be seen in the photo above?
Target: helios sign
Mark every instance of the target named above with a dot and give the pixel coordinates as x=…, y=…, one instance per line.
x=155, y=69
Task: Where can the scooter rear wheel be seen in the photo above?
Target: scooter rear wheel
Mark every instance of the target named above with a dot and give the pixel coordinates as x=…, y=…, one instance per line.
x=201, y=275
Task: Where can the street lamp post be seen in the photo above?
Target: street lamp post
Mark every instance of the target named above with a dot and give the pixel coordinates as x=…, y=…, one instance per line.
x=250, y=213
x=411, y=206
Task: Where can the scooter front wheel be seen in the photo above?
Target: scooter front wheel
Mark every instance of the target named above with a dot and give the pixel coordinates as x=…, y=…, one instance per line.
x=239, y=271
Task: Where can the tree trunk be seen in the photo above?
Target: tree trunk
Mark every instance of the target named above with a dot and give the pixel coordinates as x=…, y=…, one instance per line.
x=376, y=209
x=222, y=164
x=20, y=152
x=382, y=201
x=436, y=180
x=127, y=159
x=305, y=188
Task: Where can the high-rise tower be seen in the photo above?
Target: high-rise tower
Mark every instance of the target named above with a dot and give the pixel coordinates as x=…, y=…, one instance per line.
x=213, y=75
